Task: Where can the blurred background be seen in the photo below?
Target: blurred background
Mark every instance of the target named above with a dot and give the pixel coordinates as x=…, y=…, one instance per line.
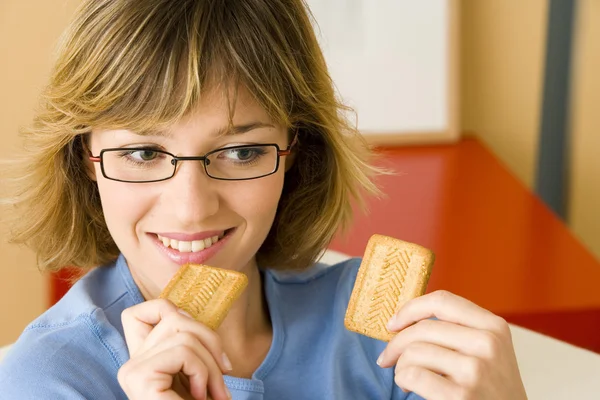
x=490, y=107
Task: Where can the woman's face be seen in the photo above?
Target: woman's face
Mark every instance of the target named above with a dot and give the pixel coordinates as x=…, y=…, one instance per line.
x=191, y=217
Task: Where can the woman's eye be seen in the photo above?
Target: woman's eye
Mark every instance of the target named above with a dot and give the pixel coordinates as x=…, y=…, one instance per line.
x=144, y=155
x=242, y=154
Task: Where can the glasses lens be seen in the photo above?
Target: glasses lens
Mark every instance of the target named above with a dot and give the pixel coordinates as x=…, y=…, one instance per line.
x=137, y=165
x=239, y=162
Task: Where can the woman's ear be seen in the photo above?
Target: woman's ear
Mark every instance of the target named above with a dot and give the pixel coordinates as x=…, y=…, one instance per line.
x=86, y=153
x=90, y=171
x=289, y=161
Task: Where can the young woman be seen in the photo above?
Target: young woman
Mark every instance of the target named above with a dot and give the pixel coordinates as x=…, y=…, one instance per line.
x=207, y=131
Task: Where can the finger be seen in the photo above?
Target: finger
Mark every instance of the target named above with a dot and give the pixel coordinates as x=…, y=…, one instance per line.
x=167, y=364
x=456, y=367
x=445, y=306
x=174, y=323
x=181, y=384
x=147, y=377
x=210, y=380
x=139, y=320
x=190, y=343
x=468, y=341
x=182, y=359
x=426, y=383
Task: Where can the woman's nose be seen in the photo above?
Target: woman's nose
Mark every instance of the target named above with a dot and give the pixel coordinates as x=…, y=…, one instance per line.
x=194, y=196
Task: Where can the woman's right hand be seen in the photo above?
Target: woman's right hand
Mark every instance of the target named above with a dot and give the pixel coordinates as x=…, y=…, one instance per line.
x=172, y=356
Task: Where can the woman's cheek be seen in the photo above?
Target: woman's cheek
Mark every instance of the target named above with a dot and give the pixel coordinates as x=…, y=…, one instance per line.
x=123, y=207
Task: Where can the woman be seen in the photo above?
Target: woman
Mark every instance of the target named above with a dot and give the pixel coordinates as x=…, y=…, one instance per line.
x=176, y=131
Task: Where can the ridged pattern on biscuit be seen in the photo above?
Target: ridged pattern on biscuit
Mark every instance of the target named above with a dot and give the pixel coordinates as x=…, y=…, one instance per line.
x=206, y=293
x=391, y=273
x=197, y=289
x=390, y=281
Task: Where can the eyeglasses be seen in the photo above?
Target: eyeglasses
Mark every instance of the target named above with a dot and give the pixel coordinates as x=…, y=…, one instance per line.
x=147, y=164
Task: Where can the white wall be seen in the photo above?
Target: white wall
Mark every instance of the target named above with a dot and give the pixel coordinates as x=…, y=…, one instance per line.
x=390, y=61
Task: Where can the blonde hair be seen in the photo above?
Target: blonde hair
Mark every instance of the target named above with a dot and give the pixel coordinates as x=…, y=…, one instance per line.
x=143, y=65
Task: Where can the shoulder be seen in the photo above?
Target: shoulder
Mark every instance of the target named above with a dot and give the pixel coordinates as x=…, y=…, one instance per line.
x=345, y=269
x=329, y=278
x=308, y=297
x=97, y=299
x=70, y=360
x=320, y=285
x=108, y=288
x=83, y=328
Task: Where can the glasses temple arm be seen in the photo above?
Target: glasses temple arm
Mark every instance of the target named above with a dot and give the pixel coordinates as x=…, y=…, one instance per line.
x=288, y=151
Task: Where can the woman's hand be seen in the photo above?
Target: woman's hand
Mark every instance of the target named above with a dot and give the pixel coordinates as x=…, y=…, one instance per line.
x=172, y=356
x=467, y=353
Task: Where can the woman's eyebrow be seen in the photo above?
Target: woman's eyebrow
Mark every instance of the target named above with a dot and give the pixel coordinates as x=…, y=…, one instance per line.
x=224, y=131
x=239, y=129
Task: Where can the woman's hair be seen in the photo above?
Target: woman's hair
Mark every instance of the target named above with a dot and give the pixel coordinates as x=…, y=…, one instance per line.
x=143, y=65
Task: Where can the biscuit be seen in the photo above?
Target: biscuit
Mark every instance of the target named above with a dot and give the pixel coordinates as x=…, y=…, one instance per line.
x=206, y=293
x=391, y=273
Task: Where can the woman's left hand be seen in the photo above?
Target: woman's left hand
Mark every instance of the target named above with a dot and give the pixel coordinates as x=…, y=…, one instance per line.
x=467, y=353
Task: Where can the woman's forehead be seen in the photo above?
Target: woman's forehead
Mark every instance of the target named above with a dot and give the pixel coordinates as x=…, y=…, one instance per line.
x=220, y=110
x=225, y=111
x=231, y=102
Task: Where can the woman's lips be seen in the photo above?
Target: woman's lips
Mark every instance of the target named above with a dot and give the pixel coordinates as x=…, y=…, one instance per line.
x=198, y=257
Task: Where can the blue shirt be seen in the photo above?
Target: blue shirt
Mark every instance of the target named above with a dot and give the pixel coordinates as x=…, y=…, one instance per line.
x=74, y=350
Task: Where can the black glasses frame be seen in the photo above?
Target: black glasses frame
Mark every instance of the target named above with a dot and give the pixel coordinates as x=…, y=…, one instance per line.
x=205, y=161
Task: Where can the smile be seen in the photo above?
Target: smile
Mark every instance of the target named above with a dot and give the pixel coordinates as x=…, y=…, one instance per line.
x=190, y=246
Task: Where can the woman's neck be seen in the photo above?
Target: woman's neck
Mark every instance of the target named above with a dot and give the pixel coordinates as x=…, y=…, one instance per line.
x=246, y=333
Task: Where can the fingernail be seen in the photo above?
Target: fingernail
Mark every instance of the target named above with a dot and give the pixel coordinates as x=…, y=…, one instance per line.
x=228, y=392
x=390, y=323
x=226, y=362
x=380, y=360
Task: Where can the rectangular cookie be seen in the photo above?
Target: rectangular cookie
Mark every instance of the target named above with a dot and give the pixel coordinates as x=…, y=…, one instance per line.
x=206, y=293
x=391, y=273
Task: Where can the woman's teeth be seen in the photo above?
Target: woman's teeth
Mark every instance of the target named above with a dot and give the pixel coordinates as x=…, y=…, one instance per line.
x=189, y=247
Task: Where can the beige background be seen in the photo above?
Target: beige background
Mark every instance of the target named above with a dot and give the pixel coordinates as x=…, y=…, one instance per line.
x=502, y=76
x=28, y=33
x=503, y=51
x=503, y=46
x=584, y=209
